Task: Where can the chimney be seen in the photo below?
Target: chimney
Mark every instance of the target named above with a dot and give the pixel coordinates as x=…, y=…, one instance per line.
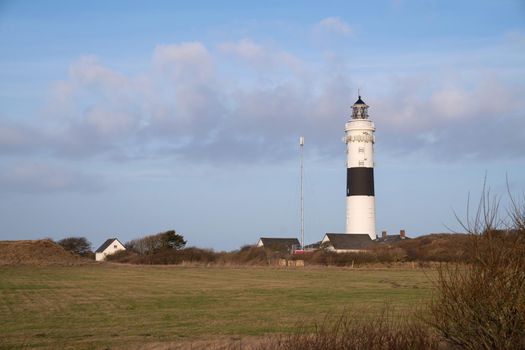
x=383, y=234
x=402, y=234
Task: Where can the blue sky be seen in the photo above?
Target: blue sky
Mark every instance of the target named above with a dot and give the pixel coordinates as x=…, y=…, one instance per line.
x=128, y=118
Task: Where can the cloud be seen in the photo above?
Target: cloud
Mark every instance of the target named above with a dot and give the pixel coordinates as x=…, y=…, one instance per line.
x=189, y=106
x=258, y=56
x=89, y=72
x=481, y=120
x=334, y=25
x=18, y=138
x=185, y=62
x=37, y=177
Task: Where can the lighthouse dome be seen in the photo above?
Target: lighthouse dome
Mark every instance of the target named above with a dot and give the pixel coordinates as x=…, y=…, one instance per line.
x=359, y=102
x=359, y=109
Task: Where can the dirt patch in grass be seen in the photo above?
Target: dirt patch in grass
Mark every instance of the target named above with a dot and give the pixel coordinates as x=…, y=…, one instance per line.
x=38, y=252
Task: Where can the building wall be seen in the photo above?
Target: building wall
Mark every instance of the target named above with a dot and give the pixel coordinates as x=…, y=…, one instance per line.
x=112, y=249
x=331, y=248
x=360, y=215
x=100, y=256
x=360, y=143
x=360, y=207
x=349, y=250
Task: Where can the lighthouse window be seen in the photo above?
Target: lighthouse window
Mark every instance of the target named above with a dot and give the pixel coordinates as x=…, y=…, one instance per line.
x=361, y=163
x=361, y=150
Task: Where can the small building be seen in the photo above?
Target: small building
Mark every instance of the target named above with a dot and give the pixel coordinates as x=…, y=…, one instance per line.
x=109, y=247
x=279, y=244
x=346, y=242
x=313, y=246
x=387, y=239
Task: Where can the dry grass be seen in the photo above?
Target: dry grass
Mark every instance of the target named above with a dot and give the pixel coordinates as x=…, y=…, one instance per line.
x=353, y=332
x=97, y=305
x=444, y=247
x=38, y=252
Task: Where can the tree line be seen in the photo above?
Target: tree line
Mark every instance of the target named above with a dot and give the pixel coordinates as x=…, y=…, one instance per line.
x=145, y=245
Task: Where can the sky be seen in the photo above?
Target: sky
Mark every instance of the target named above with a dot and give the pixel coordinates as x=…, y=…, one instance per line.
x=128, y=118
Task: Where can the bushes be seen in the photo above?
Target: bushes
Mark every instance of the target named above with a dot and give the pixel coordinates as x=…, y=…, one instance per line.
x=443, y=247
x=77, y=245
x=247, y=255
x=251, y=255
x=378, y=254
x=123, y=256
x=351, y=331
x=156, y=249
x=165, y=256
x=482, y=305
x=153, y=243
x=327, y=258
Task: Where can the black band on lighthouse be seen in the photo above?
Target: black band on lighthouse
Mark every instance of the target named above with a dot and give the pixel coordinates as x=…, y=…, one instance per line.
x=360, y=181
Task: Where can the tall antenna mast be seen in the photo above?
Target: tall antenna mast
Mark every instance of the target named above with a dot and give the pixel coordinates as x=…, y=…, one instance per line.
x=301, y=144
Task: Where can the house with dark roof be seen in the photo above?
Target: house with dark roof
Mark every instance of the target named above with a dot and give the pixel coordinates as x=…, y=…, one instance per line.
x=387, y=239
x=109, y=247
x=346, y=242
x=313, y=246
x=279, y=244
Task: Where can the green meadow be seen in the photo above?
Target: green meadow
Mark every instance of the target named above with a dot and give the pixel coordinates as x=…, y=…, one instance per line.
x=108, y=305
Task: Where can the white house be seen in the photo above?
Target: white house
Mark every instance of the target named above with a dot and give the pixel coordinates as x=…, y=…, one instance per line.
x=279, y=244
x=346, y=243
x=109, y=247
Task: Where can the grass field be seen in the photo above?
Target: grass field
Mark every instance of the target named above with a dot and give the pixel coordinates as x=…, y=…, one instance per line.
x=99, y=305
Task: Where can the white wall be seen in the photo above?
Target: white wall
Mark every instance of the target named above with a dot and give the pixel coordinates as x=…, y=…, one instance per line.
x=114, y=247
x=332, y=249
x=360, y=210
x=360, y=143
x=360, y=215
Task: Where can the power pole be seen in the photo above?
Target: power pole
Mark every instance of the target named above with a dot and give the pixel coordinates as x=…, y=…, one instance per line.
x=301, y=144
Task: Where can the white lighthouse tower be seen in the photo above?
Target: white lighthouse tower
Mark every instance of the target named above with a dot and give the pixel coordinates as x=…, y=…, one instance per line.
x=360, y=201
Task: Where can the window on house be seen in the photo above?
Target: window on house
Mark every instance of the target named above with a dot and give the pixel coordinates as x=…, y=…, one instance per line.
x=115, y=246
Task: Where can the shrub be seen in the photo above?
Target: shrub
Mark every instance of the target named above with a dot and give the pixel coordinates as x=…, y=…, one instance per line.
x=172, y=240
x=443, y=247
x=77, y=245
x=482, y=305
x=251, y=255
x=378, y=254
x=123, y=256
x=165, y=256
x=247, y=255
x=153, y=243
x=351, y=331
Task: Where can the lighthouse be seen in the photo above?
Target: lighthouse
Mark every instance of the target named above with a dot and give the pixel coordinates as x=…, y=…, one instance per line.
x=360, y=201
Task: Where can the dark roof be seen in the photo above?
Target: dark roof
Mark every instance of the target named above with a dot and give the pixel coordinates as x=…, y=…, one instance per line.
x=391, y=239
x=280, y=244
x=315, y=245
x=106, y=244
x=359, y=101
x=349, y=240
